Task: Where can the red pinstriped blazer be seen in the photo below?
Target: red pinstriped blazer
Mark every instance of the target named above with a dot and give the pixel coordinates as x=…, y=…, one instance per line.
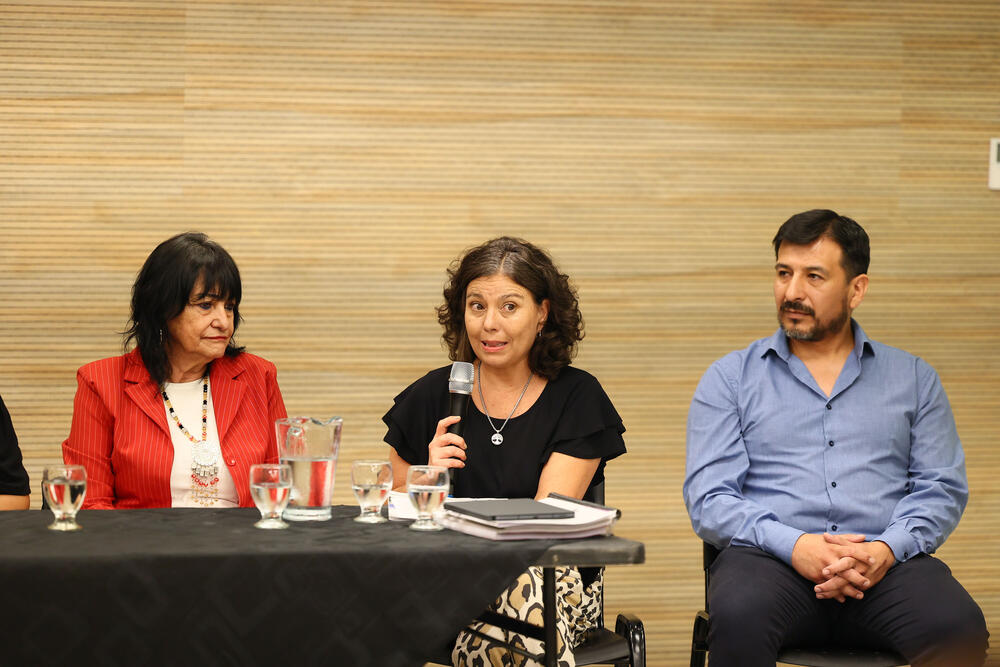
x=121, y=435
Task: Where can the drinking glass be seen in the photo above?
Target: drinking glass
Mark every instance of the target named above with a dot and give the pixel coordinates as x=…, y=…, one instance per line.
x=427, y=487
x=271, y=487
x=371, y=481
x=64, y=488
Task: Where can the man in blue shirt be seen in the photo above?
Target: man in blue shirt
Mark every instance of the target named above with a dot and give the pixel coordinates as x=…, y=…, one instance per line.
x=828, y=468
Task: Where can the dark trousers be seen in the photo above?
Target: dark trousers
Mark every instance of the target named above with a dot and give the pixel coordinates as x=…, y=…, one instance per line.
x=758, y=605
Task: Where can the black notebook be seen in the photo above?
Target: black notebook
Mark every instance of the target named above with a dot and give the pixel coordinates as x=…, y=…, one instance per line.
x=507, y=509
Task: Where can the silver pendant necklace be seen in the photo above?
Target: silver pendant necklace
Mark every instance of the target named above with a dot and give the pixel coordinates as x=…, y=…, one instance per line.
x=497, y=438
x=204, y=459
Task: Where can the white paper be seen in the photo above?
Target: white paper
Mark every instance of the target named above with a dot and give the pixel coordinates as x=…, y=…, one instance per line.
x=586, y=522
x=400, y=507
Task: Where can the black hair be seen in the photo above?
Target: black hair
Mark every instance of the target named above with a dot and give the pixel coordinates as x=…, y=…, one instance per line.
x=805, y=228
x=163, y=289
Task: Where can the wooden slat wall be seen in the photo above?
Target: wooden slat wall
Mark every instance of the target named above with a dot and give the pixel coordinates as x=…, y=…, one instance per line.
x=345, y=152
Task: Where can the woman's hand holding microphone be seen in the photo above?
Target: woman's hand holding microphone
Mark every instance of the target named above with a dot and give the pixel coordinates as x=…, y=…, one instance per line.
x=446, y=449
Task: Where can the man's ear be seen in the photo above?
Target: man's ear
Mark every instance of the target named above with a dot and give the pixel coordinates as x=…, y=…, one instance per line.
x=858, y=287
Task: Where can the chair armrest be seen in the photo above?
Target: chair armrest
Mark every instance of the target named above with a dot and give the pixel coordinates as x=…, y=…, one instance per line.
x=630, y=627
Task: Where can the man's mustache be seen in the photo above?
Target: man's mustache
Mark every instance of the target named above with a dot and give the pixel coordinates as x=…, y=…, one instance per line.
x=793, y=307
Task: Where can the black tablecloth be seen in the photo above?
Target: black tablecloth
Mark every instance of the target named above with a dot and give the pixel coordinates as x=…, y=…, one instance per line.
x=203, y=587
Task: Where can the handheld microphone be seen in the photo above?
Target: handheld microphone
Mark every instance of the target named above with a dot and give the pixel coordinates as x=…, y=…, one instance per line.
x=460, y=387
x=460, y=383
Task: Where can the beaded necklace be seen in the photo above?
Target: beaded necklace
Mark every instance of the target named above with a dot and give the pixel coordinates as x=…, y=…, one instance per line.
x=204, y=459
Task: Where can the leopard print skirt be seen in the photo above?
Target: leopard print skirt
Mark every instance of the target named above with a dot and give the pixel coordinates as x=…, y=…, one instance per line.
x=578, y=610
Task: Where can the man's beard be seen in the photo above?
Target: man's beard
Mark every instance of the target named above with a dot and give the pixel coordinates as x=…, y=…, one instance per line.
x=819, y=330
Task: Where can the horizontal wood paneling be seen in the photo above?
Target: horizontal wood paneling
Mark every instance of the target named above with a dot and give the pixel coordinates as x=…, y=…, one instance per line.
x=346, y=152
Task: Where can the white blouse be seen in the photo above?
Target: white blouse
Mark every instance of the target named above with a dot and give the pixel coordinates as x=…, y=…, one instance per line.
x=185, y=489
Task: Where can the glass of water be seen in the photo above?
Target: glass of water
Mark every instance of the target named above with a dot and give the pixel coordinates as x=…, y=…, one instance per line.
x=64, y=488
x=371, y=481
x=427, y=487
x=271, y=487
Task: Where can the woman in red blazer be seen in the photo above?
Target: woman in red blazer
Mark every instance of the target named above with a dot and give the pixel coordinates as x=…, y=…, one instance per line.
x=179, y=420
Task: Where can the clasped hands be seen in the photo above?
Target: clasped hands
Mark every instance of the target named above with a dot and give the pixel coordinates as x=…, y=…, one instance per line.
x=841, y=566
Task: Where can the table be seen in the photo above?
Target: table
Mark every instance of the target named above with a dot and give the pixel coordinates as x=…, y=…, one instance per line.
x=202, y=586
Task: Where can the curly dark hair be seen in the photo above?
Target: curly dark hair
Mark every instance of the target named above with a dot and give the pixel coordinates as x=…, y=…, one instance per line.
x=532, y=268
x=162, y=290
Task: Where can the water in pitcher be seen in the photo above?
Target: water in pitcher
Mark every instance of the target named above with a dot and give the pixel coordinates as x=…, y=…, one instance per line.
x=309, y=446
x=312, y=488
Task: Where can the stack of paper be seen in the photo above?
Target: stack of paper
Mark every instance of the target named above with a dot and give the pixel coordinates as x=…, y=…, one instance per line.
x=587, y=520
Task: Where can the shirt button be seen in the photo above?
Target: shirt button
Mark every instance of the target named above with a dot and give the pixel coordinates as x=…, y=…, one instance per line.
x=829, y=407
x=833, y=484
x=831, y=443
x=833, y=527
x=232, y=462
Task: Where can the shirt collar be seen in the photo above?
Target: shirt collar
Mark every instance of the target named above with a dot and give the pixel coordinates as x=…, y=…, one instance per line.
x=862, y=343
x=778, y=343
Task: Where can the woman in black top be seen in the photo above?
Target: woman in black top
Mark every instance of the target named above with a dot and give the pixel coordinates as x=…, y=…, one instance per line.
x=14, y=488
x=572, y=416
x=535, y=424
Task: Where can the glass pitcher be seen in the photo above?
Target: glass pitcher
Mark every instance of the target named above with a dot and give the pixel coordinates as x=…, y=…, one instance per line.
x=310, y=447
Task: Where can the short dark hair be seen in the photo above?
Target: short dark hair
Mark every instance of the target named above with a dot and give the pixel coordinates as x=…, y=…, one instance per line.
x=805, y=228
x=163, y=288
x=532, y=268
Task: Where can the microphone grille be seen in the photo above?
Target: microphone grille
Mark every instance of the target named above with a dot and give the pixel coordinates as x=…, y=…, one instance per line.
x=462, y=377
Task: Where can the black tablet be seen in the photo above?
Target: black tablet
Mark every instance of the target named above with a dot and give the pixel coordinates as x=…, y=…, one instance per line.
x=508, y=509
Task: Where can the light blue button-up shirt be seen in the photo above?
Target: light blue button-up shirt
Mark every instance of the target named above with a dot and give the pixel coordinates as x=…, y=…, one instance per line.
x=770, y=456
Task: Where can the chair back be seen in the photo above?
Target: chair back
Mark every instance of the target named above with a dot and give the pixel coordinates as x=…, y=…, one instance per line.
x=595, y=494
